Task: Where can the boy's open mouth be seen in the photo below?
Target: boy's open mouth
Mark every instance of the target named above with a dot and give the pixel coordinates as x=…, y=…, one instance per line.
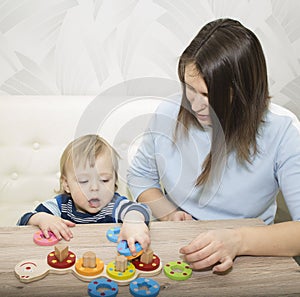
x=94, y=202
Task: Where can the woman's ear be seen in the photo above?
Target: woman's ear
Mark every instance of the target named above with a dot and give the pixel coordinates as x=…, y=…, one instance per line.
x=65, y=184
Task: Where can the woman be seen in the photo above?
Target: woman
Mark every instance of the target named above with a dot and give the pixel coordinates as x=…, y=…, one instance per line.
x=223, y=151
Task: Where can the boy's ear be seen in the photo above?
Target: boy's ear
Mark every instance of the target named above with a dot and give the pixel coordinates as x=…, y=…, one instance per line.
x=65, y=184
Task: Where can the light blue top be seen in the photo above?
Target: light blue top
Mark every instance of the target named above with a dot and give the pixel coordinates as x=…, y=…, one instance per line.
x=239, y=191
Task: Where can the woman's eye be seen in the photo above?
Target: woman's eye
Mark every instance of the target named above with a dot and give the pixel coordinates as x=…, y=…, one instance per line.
x=83, y=181
x=105, y=180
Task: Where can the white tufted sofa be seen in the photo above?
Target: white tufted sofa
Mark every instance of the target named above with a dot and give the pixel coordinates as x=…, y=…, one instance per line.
x=34, y=131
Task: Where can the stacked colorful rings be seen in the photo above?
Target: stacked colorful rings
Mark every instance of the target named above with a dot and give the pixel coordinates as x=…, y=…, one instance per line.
x=153, y=287
x=69, y=261
x=118, y=275
x=110, y=286
x=146, y=267
x=87, y=271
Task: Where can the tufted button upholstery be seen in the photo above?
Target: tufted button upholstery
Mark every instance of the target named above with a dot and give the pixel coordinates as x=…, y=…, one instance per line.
x=34, y=131
x=14, y=176
x=36, y=146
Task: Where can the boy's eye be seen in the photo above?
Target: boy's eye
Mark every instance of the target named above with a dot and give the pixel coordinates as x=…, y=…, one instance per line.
x=83, y=181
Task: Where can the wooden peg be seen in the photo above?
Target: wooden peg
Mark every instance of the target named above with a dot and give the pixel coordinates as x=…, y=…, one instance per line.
x=121, y=263
x=61, y=252
x=147, y=256
x=89, y=259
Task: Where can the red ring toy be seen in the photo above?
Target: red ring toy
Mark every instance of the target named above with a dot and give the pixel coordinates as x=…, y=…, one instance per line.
x=146, y=267
x=66, y=263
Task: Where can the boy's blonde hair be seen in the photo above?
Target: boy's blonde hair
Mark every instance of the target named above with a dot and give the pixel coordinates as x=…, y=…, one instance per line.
x=85, y=150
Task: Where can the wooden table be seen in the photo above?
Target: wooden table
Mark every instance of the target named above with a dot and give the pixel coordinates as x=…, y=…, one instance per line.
x=250, y=276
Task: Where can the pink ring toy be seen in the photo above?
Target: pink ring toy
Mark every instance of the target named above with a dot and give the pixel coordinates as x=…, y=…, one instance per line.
x=40, y=239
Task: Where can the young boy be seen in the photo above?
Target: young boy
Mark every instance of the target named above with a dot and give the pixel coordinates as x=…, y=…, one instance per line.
x=89, y=175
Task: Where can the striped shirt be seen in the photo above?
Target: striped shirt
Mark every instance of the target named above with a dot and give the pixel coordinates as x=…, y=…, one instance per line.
x=63, y=206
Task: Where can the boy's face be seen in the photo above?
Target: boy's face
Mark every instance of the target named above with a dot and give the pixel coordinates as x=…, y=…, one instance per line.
x=91, y=188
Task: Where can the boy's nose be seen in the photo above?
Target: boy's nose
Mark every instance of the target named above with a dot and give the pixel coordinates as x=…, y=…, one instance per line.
x=94, y=185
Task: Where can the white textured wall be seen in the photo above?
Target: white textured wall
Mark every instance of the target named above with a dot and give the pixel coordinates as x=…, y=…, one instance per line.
x=83, y=47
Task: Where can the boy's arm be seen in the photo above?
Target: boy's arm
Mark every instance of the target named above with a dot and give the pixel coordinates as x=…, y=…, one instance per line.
x=135, y=218
x=24, y=220
x=47, y=216
x=134, y=229
x=123, y=206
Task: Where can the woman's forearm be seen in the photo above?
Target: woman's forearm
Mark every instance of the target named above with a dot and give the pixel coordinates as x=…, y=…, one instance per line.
x=160, y=206
x=280, y=239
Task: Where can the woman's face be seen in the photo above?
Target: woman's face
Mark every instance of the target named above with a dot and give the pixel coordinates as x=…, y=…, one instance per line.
x=197, y=94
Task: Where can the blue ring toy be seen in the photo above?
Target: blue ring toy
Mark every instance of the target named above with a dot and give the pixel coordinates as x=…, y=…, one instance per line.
x=95, y=284
x=124, y=250
x=112, y=234
x=153, y=287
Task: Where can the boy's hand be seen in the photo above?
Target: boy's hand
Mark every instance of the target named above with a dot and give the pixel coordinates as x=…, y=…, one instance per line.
x=134, y=232
x=47, y=222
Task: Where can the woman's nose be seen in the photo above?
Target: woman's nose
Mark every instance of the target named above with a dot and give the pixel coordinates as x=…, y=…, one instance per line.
x=198, y=106
x=199, y=103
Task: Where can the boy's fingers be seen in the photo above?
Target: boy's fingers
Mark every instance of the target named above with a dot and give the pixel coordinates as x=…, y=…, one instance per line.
x=131, y=245
x=69, y=223
x=57, y=234
x=46, y=233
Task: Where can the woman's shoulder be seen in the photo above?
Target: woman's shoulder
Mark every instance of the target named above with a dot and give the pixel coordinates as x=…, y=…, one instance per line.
x=279, y=112
x=169, y=106
x=279, y=120
x=282, y=117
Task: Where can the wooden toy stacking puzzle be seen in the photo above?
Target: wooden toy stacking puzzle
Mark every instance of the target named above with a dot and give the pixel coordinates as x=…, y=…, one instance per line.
x=103, y=279
x=61, y=260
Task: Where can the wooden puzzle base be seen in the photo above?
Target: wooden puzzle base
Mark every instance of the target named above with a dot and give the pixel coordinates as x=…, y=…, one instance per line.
x=34, y=269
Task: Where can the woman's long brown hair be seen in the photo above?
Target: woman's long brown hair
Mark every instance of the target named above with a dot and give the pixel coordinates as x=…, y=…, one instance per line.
x=230, y=59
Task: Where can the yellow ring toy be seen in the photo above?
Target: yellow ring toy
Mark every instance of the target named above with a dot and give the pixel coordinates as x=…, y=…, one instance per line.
x=87, y=271
x=127, y=274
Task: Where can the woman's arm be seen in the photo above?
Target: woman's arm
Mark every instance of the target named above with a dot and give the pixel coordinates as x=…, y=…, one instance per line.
x=161, y=207
x=280, y=239
x=220, y=247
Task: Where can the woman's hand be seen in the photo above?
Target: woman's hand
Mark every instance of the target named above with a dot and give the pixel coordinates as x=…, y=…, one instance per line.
x=48, y=222
x=215, y=247
x=134, y=232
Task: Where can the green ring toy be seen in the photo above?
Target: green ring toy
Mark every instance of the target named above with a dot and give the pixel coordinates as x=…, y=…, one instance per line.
x=177, y=270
